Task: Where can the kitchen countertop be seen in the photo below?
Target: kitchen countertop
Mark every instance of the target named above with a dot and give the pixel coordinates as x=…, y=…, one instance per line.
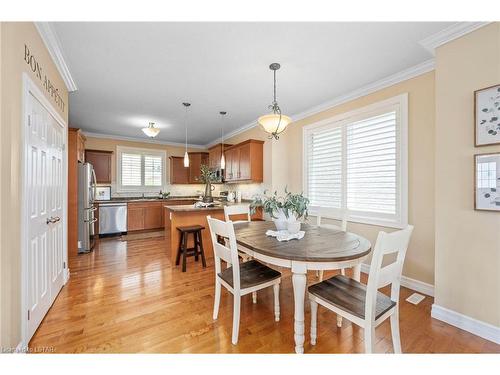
x=192, y=208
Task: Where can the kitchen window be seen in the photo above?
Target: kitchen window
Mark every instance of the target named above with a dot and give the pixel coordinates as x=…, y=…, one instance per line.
x=140, y=170
x=358, y=162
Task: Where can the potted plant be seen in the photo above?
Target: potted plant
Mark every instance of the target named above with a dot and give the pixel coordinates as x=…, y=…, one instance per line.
x=208, y=176
x=285, y=211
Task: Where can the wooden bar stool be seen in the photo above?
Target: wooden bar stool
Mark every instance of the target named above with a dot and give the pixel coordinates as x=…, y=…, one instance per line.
x=195, y=251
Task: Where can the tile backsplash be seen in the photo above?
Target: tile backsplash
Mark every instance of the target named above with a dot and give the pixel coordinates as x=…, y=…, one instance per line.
x=247, y=190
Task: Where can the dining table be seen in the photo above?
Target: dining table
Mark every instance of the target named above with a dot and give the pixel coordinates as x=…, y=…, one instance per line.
x=321, y=248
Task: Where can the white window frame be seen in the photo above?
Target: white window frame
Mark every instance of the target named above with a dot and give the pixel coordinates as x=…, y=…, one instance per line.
x=143, y=151
x=399, y=104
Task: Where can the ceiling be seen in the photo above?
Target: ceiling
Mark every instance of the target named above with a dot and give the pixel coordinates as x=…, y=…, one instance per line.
x=131, y=73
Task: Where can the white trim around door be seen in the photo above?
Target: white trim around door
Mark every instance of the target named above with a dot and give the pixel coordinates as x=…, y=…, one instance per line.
x=30, y=88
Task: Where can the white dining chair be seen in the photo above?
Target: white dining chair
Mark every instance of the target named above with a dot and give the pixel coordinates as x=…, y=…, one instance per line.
x=342, y=214
x=240, y=209
x=363, y=304
x=241, y=278
x=237, y=209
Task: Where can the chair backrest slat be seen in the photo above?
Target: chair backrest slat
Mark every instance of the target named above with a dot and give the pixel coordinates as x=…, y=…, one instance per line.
x=322, y=214
x=240, y=209
x=225, y=229
x=380, y=276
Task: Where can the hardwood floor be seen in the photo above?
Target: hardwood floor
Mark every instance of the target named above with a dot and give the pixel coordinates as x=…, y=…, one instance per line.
x=125, y=297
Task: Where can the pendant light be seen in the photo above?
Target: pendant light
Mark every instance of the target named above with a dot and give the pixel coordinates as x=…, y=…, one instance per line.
x=150, y=130
x=222, y=158
x=274, y=123
x=186, y=156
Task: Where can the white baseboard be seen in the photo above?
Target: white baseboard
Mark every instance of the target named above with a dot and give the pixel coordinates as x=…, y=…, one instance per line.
x=416, y=285
x=485, y=330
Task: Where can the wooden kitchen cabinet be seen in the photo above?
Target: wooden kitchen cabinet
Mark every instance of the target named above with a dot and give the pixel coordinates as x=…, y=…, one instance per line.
x=144, y=215
x=153, y=216
x=135, y=217
x=196, y=160
x=245, y=162
x=101, y=161
x=76, y=154
x=214, y=155
x=178, y=173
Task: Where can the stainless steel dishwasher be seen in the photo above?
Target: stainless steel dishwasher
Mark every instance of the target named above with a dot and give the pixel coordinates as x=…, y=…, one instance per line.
x=112, y=218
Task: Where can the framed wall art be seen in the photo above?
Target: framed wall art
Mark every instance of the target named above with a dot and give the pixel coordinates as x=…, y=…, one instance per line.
x=487, y=182
x=487, y=116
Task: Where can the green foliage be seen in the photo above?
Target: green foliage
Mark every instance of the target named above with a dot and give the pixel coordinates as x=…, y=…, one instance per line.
x=295, y=204
x=207, y=175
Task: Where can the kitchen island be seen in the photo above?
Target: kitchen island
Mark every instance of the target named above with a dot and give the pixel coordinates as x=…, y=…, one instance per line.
x=188, y=214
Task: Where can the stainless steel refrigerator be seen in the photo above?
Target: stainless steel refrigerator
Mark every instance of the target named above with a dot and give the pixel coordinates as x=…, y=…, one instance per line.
x=86, y=207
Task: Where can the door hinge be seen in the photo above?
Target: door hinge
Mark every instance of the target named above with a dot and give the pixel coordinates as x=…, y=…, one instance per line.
x=64, y=264
x=29, y=120
x=28, y=315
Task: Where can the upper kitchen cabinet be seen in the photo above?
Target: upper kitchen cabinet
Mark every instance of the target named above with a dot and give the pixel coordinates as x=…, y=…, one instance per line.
x=178, y=173
x=245, y=162
x=196, y=160
x=214, y=155
x=101, y=161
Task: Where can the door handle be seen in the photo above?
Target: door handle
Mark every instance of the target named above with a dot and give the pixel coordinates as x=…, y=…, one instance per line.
x=52, y=220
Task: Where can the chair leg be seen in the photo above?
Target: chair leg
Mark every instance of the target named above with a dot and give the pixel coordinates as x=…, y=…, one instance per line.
x=254, y=297
x=276, y=289
x=369, y=338
x=236, y=317
x=202, y=252
x=196, y=246
x=314, y=320
x=184, y=252
x=396, y=341
x=217, y=298
x=179, y=250
x=321, y=275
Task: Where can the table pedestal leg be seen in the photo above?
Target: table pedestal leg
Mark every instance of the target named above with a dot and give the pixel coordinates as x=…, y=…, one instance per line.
x=299, y=281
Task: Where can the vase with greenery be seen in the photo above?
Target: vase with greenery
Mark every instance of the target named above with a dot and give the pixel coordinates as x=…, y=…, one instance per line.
x=208, y=177
x=284, y=210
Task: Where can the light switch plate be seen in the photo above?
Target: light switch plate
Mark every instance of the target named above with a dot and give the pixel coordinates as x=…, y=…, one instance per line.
x=415, y=298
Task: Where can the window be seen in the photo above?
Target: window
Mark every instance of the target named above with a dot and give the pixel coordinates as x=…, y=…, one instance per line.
x=358, y=162
x=487, y=175
x=140, y=169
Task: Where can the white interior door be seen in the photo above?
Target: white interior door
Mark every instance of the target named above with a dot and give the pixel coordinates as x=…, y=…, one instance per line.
x=44, y=202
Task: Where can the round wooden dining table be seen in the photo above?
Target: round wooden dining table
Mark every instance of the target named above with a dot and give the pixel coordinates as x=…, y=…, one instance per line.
x=321, y=248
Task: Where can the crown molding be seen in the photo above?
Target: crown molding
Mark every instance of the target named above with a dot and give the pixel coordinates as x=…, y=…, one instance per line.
x=404, y=75
x=143, y=140
x=51, y=41
x=450, y=33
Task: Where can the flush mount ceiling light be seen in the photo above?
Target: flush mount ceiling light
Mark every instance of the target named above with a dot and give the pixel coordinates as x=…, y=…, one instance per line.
x=274, y=123
x=186, y=155
x=222, y=158
x=151, y=131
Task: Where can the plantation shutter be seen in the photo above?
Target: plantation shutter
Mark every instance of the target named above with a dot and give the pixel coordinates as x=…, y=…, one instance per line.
x=152, y=170
x=371, y=152
x=131, y=169
x=324, y=161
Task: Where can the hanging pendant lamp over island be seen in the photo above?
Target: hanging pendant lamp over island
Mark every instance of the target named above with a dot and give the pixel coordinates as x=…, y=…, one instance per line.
x=150, y=130
x=275, y=122
x=222, y=158
x=186, y=155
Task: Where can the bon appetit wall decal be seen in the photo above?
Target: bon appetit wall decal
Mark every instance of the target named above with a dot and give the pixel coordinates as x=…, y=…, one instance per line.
x=35, y=67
